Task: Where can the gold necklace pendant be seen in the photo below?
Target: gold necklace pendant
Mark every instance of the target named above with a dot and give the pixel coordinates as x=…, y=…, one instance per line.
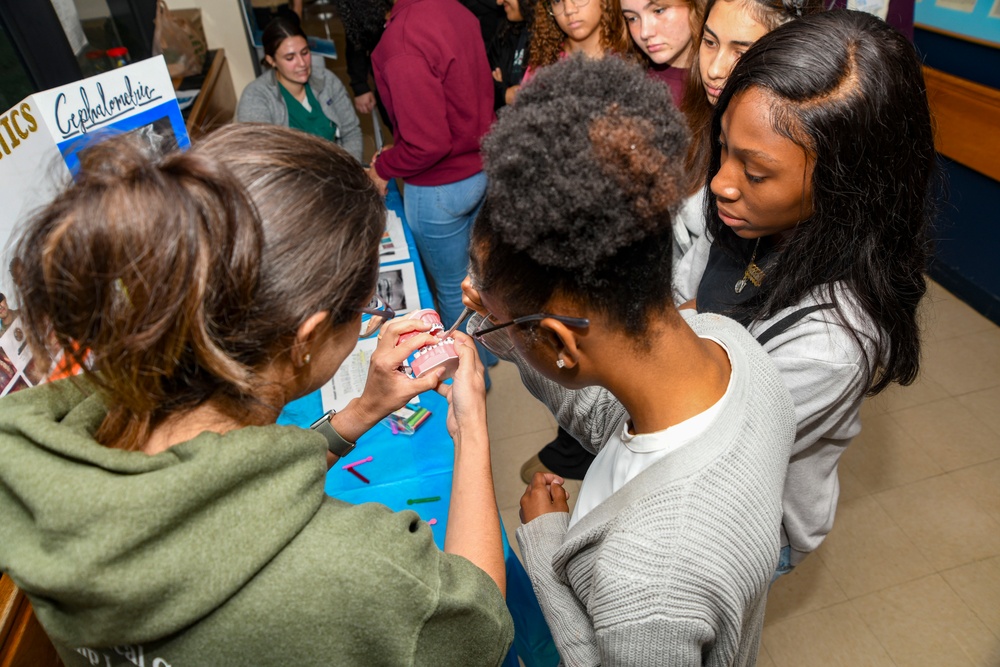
x=753, y=274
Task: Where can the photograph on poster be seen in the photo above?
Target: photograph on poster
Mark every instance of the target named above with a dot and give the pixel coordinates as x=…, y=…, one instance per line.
x=7, y=371
x=393, y=248
x=15, y=344
x=34, y=372
x=159, y=135
x=18, y=385
x=397, y=287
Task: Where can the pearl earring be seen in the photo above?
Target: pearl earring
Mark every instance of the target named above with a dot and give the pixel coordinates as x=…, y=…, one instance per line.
x=560, y=363
x=306, y=359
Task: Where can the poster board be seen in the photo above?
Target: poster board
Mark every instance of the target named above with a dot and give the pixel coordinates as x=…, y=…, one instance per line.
x=41, y=138
x=974, y=20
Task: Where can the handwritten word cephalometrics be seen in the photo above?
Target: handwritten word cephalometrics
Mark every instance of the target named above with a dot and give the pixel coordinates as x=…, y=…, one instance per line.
x=87, y=115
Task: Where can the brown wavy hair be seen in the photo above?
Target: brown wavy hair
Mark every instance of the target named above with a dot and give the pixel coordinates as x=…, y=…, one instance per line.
x=173, y=279
x=695, y=105
x=548, y=39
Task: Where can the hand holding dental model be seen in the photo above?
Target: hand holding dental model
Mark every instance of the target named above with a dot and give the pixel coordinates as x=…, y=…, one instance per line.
x=435, y=356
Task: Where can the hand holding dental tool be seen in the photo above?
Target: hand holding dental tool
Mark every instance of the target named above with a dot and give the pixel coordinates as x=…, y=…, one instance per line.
x=466, y=312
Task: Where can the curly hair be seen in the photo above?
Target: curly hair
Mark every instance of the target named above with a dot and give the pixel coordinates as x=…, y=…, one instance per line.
x=697, y=108
x=849, y=89
x=548, y=41
x=585, y=172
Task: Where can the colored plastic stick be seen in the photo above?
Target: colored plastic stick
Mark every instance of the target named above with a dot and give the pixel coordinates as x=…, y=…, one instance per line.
x=357, y=463
x=358, y=475
x=432, y=522
x=414, y=501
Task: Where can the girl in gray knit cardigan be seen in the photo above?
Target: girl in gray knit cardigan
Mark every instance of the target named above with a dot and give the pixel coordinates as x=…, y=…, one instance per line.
x=668, y=554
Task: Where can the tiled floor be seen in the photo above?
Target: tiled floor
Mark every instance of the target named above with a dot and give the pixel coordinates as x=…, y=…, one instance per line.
x=910, y=575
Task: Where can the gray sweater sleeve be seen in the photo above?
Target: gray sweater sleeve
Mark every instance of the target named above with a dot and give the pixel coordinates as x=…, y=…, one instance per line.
x=539, y=540
x=258, y=104
x=344, y=115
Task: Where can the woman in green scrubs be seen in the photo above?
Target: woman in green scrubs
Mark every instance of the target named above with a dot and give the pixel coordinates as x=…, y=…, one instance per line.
x=294, y=94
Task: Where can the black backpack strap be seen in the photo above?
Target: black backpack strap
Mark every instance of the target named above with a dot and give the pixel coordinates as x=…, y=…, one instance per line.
x=788, y=320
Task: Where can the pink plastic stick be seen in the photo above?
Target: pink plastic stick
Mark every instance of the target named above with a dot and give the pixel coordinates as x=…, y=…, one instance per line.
x=356, y=463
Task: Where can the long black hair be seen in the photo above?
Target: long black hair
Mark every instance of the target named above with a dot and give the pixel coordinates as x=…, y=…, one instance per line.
x=848, y=89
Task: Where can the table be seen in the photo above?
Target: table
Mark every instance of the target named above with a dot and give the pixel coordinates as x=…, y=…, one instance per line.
x=406, y=468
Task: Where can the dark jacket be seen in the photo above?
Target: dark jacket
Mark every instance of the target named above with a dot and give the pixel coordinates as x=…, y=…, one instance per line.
x=509, y=51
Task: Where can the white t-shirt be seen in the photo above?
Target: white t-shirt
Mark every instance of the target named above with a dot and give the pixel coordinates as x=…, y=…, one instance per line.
x=626, y=454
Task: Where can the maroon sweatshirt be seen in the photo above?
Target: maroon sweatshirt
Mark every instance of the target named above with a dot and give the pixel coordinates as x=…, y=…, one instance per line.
x=432, y=73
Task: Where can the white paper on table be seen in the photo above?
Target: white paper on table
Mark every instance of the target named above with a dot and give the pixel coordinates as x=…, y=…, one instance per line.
x=393, y=248
x=350, y=379
x=397, y=287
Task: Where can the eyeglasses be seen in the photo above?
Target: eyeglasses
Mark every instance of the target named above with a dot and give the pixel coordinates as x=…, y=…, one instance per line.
x=558, y=7
x=487, y=327
x=374, y=316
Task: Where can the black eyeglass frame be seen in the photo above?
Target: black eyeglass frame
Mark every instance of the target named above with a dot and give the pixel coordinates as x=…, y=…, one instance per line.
x=576, y=322
x=386, y=313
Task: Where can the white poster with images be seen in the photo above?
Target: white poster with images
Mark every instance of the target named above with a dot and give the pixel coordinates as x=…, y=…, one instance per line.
x=40, y=141
x=41, y=137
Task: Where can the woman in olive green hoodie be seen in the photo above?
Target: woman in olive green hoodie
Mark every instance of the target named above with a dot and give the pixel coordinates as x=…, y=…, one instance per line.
x=152, y=510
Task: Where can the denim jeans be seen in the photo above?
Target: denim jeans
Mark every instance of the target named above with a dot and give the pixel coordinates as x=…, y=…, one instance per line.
x=784, y=563
x=440, y=217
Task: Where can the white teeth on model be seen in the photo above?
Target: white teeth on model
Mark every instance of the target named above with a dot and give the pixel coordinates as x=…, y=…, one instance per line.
x=422, y=351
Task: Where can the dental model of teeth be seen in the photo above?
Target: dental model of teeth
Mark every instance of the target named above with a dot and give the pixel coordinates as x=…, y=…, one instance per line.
x=433, y=356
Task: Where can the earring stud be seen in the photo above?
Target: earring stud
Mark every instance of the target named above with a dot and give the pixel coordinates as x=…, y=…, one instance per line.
x=306, y=359
x=560, y=363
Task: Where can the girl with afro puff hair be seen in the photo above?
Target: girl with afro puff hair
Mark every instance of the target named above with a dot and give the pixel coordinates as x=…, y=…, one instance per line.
x=667, y=556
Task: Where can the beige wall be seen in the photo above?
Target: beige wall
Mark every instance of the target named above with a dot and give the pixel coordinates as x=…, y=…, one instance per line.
x=223, y=21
